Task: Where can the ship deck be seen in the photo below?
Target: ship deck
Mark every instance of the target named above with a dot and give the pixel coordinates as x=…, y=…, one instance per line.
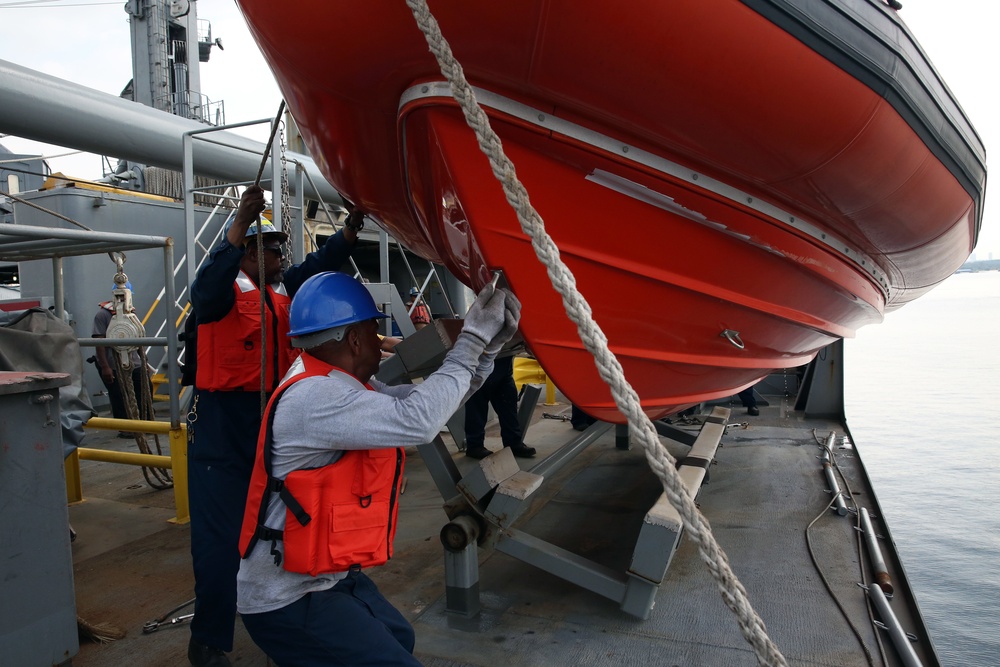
x=766, y=487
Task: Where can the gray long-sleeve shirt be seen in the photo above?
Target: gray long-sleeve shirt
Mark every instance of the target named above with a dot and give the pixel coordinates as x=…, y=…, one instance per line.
x=317, y=418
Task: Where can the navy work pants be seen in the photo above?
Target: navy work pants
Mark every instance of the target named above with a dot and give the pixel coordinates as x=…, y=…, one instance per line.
x=579, y=419
x=747, y=398
x=500, y=390
x=116, y=395
x=220, y=462
x=350, y=624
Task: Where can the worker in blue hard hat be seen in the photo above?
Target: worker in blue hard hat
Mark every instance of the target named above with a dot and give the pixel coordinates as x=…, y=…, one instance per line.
x=332, y=439
x=226, y=300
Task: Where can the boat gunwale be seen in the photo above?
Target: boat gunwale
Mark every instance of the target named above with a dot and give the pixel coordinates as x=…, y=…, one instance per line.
x=440, y=91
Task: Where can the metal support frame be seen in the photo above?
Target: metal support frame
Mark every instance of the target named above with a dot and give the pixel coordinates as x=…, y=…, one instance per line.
x=635, y=590
x=621, y=436
x=484, y=505
x=509, y=489
x=662, y=527
x=20, y=243
x=387, y=296
x=822, y=392
x=526, y=406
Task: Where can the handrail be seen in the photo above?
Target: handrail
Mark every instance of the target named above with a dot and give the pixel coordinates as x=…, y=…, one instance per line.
x=176, y=461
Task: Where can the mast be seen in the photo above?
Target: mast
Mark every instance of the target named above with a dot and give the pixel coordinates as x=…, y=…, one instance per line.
x=168, y=44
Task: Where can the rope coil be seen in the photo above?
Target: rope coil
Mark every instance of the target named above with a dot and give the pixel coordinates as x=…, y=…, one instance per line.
x=141, y=408
x=593, y=338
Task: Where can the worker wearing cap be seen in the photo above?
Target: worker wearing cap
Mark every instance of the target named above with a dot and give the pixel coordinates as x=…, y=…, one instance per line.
x=331, y=452
x=226, y=410
x=104, y=358
x=420, y=316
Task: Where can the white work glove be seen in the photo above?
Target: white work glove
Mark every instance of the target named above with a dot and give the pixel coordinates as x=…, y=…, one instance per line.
x=487, y=316
x=512, y=316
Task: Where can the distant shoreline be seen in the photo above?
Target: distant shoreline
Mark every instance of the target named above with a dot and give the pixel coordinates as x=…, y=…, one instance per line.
x=981, y=265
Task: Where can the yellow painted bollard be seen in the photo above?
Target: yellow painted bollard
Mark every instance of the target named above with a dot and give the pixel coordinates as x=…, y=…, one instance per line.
x=178, y=455
x=74, y=489
x=529, y=371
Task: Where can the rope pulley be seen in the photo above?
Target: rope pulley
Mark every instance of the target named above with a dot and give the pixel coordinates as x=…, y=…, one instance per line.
x=138, y=400
x=124, y=323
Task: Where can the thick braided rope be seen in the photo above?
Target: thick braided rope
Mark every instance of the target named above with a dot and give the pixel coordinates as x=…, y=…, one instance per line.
x=596, y=342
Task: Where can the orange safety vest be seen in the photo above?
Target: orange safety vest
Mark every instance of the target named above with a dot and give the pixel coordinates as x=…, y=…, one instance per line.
x=420, y=314
x=229, y=350
x=339, y=516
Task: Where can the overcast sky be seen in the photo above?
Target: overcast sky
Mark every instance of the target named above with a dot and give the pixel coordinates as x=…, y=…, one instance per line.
x=88, y=42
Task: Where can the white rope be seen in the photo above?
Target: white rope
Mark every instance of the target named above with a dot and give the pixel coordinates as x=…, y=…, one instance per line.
x=596, y=342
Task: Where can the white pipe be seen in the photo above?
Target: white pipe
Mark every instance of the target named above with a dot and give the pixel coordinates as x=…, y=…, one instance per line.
x=831, y=477
x=899, y=639
x=881, y=574
x=44, y=108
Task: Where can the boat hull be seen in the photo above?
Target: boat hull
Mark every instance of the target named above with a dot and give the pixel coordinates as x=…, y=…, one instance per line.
x=729, y=200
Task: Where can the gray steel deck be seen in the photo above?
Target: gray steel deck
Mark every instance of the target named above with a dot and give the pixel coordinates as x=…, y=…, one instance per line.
x=766, y=487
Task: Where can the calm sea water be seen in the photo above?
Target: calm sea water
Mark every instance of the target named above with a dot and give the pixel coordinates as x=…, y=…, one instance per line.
x=923, y=403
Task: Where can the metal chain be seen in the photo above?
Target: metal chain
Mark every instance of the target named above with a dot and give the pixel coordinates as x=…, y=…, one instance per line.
x=286, y=216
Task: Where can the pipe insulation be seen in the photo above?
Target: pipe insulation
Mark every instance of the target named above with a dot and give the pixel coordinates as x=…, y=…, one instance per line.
x=45, y=108
x=879, y=571
x=831, y=476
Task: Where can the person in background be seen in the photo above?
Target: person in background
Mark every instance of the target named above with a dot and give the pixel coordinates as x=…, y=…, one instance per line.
x=500, y=391
x=749, y=401
x=580, y=420
x=226, y=406
x=420, y=315
x=302, y=594
x=389, y=344
x=107, y=367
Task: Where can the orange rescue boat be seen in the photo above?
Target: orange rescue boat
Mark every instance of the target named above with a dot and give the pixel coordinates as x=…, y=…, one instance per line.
x=735, y=185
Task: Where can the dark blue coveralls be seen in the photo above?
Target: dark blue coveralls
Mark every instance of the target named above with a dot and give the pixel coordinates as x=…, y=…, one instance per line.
x=221, y=454
x=500, y=390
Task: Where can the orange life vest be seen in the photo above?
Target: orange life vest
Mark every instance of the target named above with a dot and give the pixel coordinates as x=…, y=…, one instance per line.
x=337, y=517
x=420, y=315
x=229, y=350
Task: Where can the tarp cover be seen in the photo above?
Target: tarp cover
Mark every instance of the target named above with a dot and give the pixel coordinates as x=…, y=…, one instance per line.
x=36, y=340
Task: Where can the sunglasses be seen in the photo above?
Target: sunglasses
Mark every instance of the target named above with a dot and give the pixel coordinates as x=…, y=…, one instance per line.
x=276, y=249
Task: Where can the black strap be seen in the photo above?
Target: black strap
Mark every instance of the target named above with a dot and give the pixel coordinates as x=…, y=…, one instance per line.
x=272, y=485
x=293, y=505
x=275, y=553
x=265, y=533
x=694, y=462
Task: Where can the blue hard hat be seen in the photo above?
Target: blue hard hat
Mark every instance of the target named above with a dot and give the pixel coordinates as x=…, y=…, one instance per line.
x=414, y=291
x=128, y=285
x=329, y=300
